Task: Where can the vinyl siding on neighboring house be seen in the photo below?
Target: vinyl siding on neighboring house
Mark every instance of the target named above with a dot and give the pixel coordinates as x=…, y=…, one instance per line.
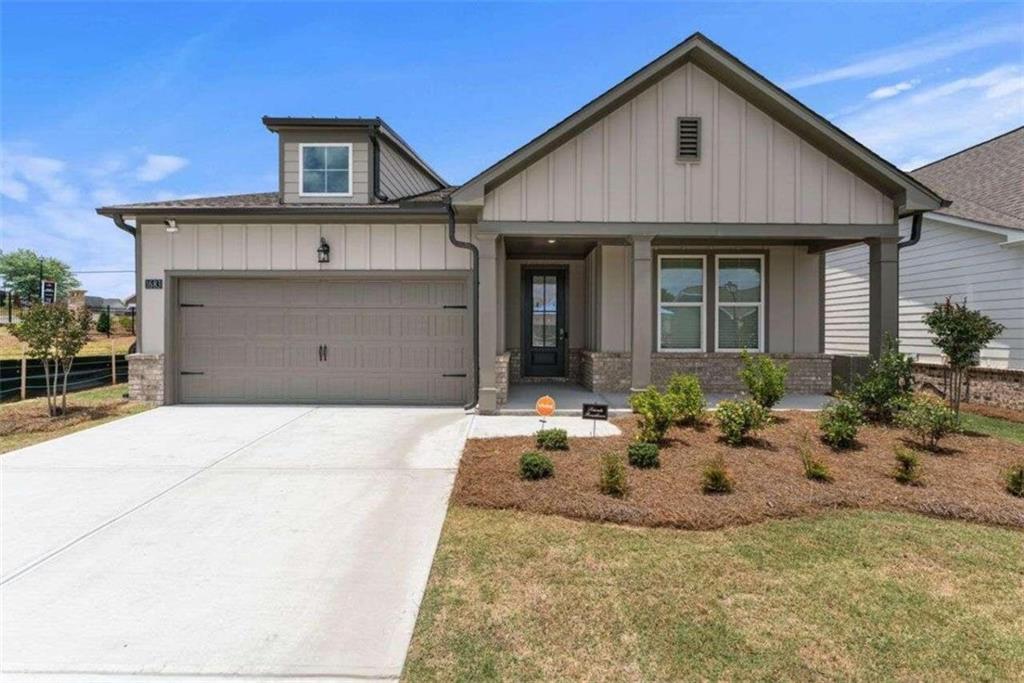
x=624, y=168
x=950, y=260
x=288, y=247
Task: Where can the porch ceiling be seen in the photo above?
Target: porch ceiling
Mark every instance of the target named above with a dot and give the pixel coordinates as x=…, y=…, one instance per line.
x=544, y=247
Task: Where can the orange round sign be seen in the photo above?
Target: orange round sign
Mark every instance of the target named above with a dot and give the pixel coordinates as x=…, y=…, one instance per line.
x=545, y=406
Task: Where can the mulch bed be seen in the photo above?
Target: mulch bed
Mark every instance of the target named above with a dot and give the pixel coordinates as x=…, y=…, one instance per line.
x=963, y=481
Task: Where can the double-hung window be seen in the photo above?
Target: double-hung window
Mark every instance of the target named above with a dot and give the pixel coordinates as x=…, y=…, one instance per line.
x=681, y=317
x=326, y=169
x=740, y=296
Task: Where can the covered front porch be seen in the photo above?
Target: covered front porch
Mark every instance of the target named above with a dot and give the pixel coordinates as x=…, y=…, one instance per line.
x=566, y=309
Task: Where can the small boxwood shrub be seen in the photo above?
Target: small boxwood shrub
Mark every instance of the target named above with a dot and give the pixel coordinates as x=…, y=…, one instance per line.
x=928, y=419
x=553, y=439
x=886, y=385
x=715, y=478
x=533, y=465
x=654, y=414
x=839, y=421
x=765, y=379
x=643, y=455
x=613, y=475
x=1015, y=479
x=908, y=467
x=687, y=399
x=738, y=419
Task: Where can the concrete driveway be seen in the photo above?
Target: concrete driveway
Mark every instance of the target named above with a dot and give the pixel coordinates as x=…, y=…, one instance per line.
x=224, y=542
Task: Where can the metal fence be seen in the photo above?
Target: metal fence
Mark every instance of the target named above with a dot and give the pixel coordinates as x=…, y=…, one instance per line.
x=86, y=372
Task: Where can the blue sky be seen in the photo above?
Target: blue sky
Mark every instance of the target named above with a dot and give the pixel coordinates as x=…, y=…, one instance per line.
x=116, y=102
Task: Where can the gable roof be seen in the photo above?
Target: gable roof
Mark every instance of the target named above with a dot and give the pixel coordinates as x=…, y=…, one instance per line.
x=912, y=194
x=985, y=182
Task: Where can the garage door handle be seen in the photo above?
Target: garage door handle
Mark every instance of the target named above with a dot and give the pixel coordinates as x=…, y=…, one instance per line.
x=190, y=305
x=454, y=374
x=187, y=372
x=325, y=352
x=463, y=307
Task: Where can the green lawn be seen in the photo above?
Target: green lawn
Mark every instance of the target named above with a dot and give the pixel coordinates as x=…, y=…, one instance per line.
x=1004, y=429
x=855, y=596
x=23, y=423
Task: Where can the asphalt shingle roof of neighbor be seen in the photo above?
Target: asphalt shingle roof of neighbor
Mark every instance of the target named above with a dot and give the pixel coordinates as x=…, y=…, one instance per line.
x=984, y=182
x=272, y=200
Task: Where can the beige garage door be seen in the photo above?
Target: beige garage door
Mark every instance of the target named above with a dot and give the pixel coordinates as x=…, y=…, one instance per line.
x=380, y=340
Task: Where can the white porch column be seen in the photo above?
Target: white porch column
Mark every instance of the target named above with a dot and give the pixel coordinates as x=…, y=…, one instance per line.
x=883, y=292
x=487, y=322
x=643, y=305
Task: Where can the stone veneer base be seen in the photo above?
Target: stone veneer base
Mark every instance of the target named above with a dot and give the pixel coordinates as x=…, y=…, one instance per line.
x=146, y=377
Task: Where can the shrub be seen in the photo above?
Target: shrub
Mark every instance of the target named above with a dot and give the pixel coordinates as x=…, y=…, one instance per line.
x=533, y=465
x=737, y=419
x=103, y=323
x=908, y=467
x=1015, y=480
x=715, y=479
x=613, y=475
x=886, y=385
x=654, y=412
x=765, y=379
x=126, y=323
x=928, y=419
x=961, y=333
x=814, y=469
x=643, y=455
x=839, y=421
x=553, y=439
x=687, y=399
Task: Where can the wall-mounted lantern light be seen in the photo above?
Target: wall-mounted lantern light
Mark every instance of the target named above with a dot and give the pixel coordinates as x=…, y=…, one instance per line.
x=172, y=225
x=323, y=252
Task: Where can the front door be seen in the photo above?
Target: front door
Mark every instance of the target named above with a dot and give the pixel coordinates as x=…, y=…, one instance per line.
x=544, y=331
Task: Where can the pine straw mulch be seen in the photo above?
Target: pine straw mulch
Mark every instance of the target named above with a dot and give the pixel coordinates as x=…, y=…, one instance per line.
x=965, y=480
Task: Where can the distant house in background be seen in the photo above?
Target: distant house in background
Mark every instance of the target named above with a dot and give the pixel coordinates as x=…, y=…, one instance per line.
x=129, y=303
x=77, y=298
x=972, y=249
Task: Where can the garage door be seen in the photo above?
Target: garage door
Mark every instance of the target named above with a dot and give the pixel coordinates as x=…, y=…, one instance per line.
x=381, y=340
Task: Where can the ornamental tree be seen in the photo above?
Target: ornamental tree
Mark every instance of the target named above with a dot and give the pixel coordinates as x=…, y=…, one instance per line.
x=54, y=335
x=960, y=333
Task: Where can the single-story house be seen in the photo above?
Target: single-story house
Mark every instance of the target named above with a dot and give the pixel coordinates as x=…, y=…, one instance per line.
x=676, y=219
x=972, y=249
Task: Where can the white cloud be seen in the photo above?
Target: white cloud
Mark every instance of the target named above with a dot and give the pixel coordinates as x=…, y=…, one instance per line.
x=159, y=166
x=888, y=91
x=23, y=172
x=933, y=122
x=927, y=50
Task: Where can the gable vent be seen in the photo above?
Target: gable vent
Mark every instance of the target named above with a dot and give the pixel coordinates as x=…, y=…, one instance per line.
x=687, y=138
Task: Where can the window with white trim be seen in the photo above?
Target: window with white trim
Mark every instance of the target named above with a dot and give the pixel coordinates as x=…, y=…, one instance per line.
x=740, y=303
x=326, y=169
x=681, y=303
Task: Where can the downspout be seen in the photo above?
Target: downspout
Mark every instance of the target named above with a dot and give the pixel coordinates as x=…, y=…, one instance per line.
x=133, y=230
x=915, y=231
x=456, y=242
x=375, y=144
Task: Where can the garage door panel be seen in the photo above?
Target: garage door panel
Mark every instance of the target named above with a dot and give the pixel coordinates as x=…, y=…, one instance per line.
x=386, y=340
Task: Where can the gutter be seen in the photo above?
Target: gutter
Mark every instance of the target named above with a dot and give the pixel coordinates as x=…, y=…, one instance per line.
x=375, y=143
x=456, y=242
x=118, y=219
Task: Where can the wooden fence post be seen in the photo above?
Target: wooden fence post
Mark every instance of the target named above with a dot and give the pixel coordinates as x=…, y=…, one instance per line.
x=24, y=374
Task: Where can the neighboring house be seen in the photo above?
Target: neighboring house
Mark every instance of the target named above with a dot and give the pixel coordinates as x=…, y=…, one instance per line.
x=98, y=304
x=129, y=303
x=677, y=218
x=972, y=249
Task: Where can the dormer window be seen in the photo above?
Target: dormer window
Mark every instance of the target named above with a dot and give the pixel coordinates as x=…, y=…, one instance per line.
x=326, y=169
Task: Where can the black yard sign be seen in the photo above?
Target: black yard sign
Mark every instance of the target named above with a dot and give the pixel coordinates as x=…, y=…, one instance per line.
x=49, y=292
x=595, y=411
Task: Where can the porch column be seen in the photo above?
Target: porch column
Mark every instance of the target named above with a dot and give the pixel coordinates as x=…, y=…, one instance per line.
x=643, y=304
x=487, y=321
x=883, y=292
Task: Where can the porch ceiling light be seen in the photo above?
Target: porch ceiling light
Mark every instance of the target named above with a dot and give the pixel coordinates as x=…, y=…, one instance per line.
x=323, y=252
x=552, y=241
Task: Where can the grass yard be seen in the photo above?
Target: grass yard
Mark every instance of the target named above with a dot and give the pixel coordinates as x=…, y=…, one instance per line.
x=98, y=345
x=993, y=426
x=24, y=423
x=847, y=595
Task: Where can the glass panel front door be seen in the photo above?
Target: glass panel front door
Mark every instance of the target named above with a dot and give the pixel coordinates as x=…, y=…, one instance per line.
x=544, y=322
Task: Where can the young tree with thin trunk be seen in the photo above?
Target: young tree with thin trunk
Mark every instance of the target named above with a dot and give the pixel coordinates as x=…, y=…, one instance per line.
x=54, y=335
x=960, y=333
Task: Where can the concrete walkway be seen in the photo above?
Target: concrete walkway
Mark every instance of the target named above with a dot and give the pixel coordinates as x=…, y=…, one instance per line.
x=234, y=543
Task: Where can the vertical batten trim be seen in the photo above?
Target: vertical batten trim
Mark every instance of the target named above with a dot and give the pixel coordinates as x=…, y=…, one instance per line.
x=245, y=246
x=604, y=169
x=659, y=122
x=769, y=201
x=797, y=218
x=824, y=191
x=633, y=161
x=577, y=180
x=715, y=167
x=851, y=195
x=687, y=174
x=743, y=161
x=551, y=186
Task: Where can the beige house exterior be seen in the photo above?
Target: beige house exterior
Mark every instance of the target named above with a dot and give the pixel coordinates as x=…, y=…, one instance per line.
x=678, y=218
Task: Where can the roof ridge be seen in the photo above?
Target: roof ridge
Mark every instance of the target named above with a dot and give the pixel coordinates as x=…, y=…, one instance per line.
x=967, y=149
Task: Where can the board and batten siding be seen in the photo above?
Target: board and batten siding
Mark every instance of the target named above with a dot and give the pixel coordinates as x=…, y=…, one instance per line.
x=282, y=247
x=399, y=177
x=949, y=260
x=624, y=168
x=291, y=167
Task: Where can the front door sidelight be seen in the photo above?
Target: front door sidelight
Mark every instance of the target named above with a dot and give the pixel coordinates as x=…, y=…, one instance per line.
x=544, y=331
